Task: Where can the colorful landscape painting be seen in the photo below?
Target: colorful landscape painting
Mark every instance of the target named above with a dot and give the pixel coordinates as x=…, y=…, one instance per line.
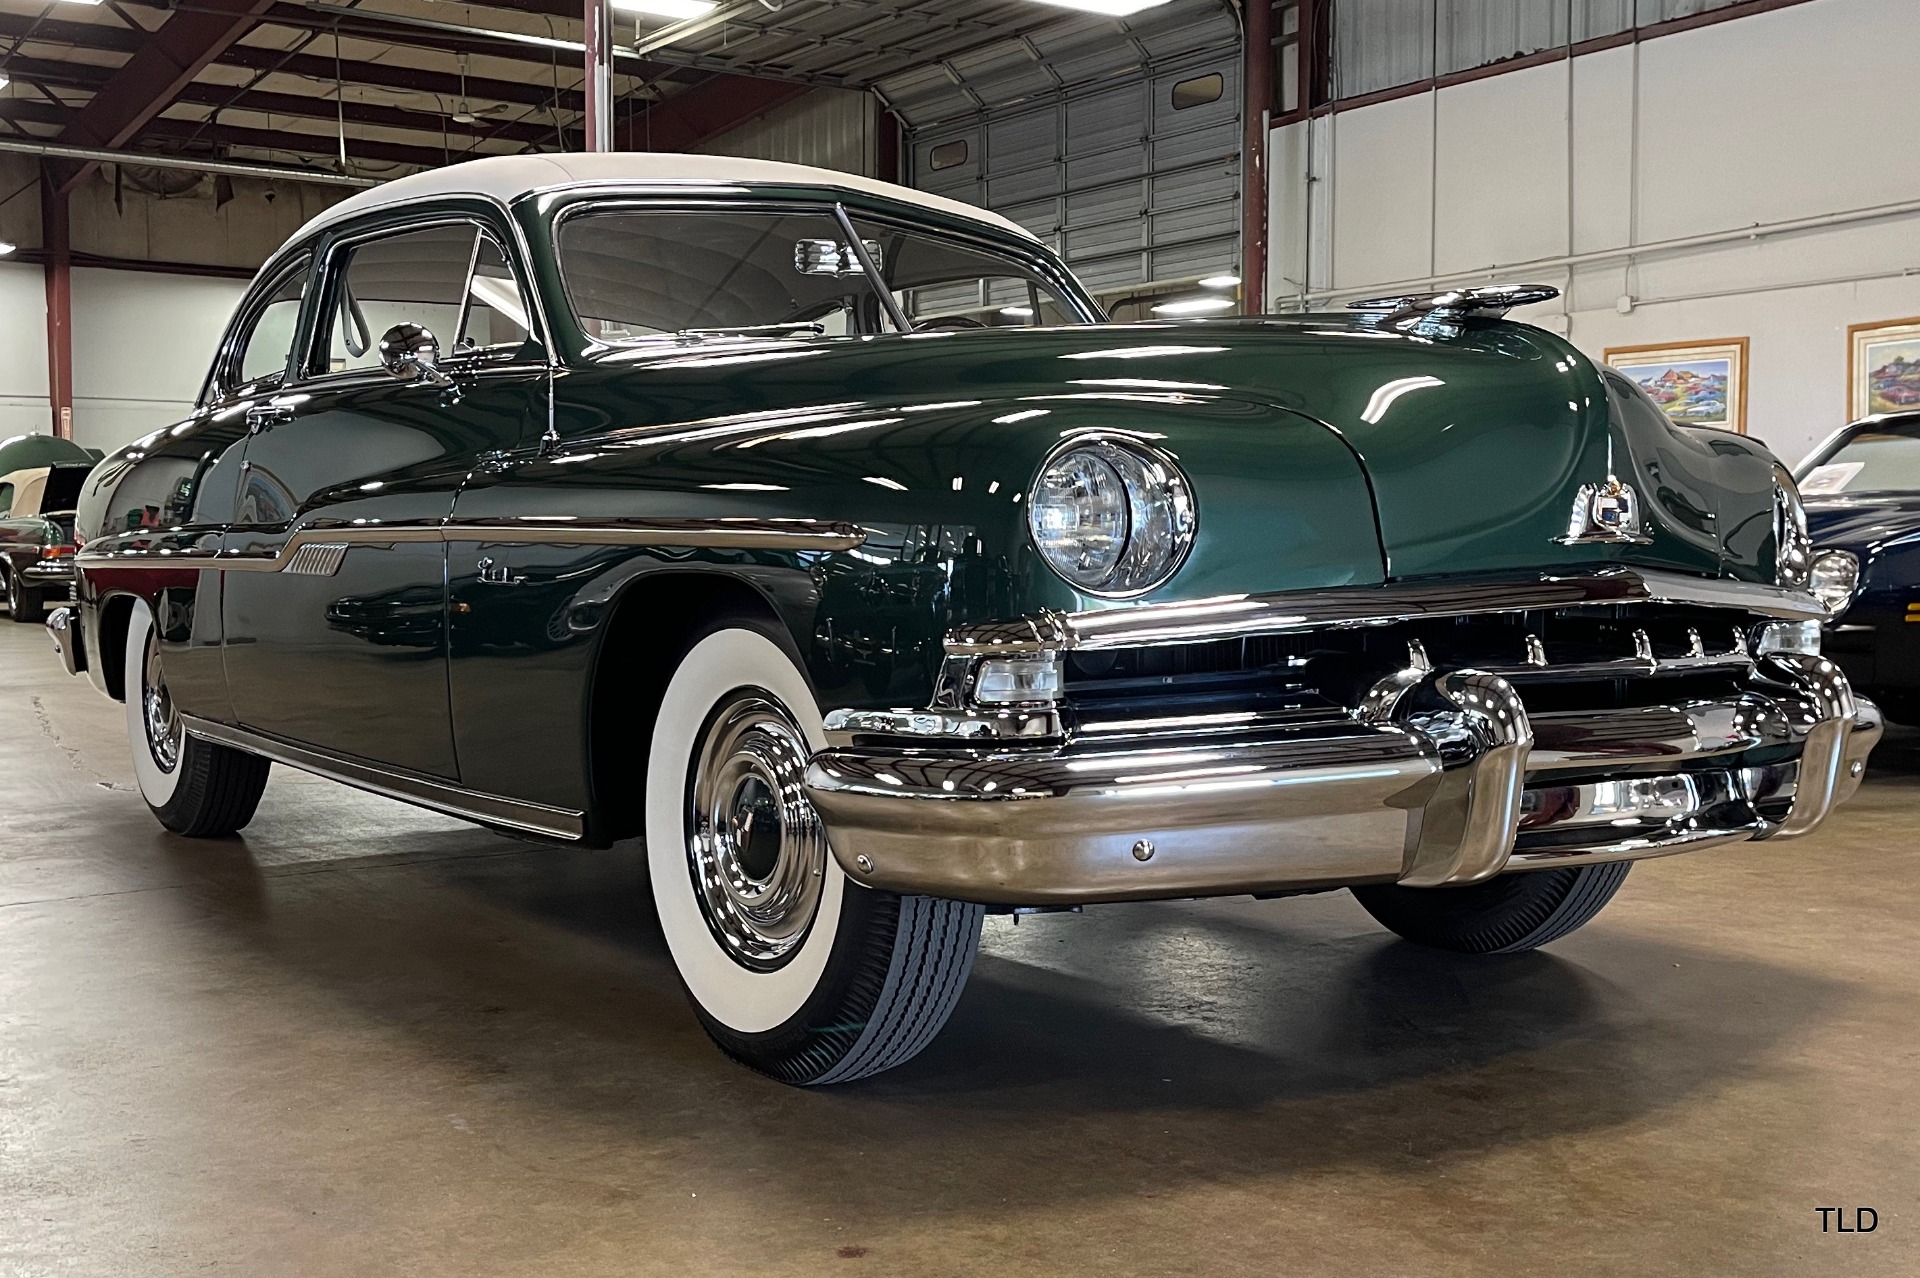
x=1893, y=376
x=1696, y=384
x=1695, y=393
x=1883, y=367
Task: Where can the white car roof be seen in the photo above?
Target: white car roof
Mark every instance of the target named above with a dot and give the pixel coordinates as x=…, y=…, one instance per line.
x=508, y=177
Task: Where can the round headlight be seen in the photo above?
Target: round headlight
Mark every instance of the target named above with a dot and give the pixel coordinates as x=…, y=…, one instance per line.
x=1792, y=547
x=1111, y=516
x=1835, y=576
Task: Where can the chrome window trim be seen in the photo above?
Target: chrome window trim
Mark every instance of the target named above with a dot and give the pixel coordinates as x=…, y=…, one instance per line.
x=215, y=389
x=427, y=792
x=1291, y=612
x=697, y=534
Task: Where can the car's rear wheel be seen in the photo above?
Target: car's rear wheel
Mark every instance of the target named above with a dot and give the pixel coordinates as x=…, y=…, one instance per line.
x=1504, y=915
x=194, y=787
x=793, y=969
x=24, y=603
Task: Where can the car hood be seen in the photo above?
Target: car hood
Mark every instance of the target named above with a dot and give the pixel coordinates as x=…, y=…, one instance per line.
x=1323, y=450
x=1862, y=523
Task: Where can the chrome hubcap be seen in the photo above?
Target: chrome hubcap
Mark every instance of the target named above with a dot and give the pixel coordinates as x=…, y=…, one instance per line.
x=162, y=720
x=757, y=852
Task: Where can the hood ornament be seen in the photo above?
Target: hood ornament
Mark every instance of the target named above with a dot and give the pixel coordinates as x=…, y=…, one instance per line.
x=1605, y=514
x=1488, y=302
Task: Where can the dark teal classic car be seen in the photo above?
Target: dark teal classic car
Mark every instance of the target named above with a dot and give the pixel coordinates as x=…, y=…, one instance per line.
x=823, y=534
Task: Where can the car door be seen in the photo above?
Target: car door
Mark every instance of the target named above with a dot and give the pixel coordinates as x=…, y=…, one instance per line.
x=336, y=633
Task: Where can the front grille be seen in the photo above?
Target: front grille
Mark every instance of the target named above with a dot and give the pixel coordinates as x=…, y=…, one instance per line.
x=1330, y=670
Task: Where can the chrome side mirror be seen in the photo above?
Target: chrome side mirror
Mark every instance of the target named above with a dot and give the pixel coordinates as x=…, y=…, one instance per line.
x=412, y=353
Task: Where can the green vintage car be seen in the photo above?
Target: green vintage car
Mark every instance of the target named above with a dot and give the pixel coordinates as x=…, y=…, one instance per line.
x=824, y=534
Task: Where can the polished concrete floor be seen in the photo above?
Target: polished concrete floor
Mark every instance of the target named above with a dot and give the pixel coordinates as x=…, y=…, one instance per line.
x=366, y=1040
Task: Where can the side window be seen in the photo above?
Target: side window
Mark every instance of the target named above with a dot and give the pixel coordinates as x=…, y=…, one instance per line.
x=495, y=325
x=6, y=500
x=453, y=280
x=260, y=360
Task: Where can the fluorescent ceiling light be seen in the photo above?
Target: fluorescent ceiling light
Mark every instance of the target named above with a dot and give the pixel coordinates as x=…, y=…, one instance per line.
x=678, y=10
x=1017, y=312
x=1221, y=281
x=1195, y=306
x=1110, y=8
x=4, y=82
x=6, y=247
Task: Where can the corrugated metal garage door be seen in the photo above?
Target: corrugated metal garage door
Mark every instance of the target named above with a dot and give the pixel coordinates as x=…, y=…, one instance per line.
x=1133, y=182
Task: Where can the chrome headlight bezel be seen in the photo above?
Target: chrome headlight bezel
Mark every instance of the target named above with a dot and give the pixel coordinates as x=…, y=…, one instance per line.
x=1834, y=579
x=1160, y=518
x=1792, y=544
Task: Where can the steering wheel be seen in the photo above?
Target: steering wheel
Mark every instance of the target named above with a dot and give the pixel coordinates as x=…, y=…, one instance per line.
x=945, y=322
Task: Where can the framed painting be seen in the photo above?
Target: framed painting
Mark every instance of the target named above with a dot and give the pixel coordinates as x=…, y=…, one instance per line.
x=1695, y=383
x=1883, y=368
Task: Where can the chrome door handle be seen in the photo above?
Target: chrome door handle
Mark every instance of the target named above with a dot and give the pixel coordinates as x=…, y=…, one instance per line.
x=262, y=417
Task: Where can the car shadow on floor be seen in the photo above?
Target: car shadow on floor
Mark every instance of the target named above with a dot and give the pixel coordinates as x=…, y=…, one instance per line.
x=539, y=976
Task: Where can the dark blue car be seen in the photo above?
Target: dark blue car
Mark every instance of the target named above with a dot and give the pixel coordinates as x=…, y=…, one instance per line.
x=1862, y=490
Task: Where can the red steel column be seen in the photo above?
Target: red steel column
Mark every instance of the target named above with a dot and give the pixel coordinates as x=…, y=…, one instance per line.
x=1257, y=112
x=599, y=85
x=59, y=275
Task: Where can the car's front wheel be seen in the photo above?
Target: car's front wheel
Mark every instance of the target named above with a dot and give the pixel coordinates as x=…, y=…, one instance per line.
x=1504, y=915
x=195, y=787
x=792, y=968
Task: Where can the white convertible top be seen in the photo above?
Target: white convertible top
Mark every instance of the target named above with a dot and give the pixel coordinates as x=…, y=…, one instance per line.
x=506, y=177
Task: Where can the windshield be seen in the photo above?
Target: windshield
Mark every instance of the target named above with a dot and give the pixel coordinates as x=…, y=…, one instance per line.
x=940, y=283
x=1883, y=458
x=637, y=275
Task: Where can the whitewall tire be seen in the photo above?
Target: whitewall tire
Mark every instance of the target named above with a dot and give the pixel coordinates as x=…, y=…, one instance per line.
x=194, y=787
x=793, y=969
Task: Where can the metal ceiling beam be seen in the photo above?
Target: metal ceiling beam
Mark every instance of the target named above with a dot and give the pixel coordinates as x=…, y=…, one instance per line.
x=272, y=172
x=99, y=37
x=320, y=145
x=148, y=82
x=89, y=77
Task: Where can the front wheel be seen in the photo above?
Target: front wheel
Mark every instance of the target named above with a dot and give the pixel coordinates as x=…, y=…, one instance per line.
x=794, y=970
x=1504, y=915
x=194, y=787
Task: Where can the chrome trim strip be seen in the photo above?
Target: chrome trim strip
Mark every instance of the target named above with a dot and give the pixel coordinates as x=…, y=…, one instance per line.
x=441, y=796
x=693, y=534
x=1290, y=612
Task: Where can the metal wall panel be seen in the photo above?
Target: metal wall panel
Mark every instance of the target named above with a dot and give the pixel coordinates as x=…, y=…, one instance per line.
x=1381, y=44
x=828, y=128
x=1473, y=33
x=1102, y=166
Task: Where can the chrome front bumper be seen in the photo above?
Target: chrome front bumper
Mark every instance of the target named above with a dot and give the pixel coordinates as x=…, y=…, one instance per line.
x=1442, y=778
x=64, y=625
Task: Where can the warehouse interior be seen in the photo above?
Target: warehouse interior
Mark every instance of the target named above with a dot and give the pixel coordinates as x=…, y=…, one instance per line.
x=365, y=1037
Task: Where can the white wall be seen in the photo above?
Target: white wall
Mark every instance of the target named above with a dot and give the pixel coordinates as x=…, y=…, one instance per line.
x=23, y=351
x=141, y=345
x=1797, y=113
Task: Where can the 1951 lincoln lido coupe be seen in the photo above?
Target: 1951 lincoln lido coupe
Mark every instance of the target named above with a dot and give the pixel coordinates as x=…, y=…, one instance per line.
x=822, y=533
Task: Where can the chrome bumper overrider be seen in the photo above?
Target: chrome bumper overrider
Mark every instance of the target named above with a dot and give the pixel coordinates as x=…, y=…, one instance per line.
x=1442, y=777
x=64, y=625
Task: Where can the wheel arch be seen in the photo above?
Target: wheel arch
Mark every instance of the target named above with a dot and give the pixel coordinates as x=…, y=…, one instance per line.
x=653, y=623
x=110, y=650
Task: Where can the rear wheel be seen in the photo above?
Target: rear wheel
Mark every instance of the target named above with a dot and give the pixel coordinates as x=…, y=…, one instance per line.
x=1505, y=915
x=24, y=603
x=194, y=787
x=793, y=969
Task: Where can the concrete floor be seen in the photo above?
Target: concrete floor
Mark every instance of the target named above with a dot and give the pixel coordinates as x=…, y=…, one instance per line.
x=367, y=1040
